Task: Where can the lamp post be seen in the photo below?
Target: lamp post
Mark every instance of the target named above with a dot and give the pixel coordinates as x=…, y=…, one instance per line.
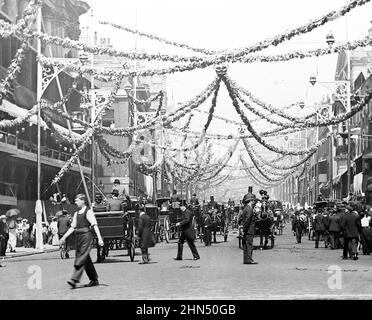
x=346, y=103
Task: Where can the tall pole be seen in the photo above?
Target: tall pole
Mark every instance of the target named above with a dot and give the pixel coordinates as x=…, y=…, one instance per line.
x=38, y=207
x=348, y=122
x=93, y=111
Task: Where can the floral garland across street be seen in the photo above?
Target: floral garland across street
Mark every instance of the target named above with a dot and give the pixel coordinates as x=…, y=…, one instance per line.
x=154, y=37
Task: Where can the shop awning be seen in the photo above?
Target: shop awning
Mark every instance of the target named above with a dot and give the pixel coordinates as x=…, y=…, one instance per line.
x=337, y=179
x=357, y=183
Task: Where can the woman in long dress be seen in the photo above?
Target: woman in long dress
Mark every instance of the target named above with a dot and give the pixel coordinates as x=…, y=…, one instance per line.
x=82, y=222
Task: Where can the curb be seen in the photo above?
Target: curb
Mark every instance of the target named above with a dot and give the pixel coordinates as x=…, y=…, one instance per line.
x=30, y=254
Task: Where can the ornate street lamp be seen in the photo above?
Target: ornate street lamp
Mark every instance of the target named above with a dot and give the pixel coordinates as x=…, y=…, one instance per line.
x=83, y=57
x=312, y=79
x=330, y=39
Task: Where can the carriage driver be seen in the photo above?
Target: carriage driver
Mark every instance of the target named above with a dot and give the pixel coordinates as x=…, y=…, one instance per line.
x=248, y=222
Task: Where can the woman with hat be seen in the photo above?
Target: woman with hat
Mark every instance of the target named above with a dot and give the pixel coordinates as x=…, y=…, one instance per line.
x=82, y=222
x=187, y=232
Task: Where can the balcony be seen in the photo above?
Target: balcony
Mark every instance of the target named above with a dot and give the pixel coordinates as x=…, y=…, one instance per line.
x=27, y=150
x=8, y=193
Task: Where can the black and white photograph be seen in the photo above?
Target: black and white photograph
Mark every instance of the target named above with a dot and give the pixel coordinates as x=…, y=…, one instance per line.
x=188, y=151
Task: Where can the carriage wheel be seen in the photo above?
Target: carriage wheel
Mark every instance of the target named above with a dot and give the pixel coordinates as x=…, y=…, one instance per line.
x=132, y=250
x=166, y=230
x=161, y=233
x=157, y=232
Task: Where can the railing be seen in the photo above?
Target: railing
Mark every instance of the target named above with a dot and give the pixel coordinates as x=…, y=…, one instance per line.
x=8, y=189
x=29, y=146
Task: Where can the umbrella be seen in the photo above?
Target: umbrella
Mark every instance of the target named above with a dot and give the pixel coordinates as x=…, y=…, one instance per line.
x=12, y=213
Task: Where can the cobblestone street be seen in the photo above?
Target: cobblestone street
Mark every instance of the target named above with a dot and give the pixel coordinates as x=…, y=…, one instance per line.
x=288, y=271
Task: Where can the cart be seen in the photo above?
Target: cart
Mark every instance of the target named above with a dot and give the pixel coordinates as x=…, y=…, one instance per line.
x=118, y=228
x=164, y=222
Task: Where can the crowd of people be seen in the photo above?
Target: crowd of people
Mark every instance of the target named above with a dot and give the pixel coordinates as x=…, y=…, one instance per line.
x=345, y=226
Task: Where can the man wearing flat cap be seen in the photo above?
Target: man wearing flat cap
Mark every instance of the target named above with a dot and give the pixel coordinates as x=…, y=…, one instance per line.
x=248, y=221
x=187, y=232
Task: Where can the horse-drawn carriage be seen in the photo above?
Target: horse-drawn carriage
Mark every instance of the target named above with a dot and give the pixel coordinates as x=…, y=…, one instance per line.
x=218, y=221
x=264, y=228
x=118, y=228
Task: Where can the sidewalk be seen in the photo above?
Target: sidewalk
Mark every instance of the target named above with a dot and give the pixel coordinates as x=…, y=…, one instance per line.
x=22, y=251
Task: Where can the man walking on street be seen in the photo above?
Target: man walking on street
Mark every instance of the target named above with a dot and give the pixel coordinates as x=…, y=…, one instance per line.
x=297, y=226
x=319, y=228
x=187, y=233
x=248, y=221
x=351, y=227
x=334, y=229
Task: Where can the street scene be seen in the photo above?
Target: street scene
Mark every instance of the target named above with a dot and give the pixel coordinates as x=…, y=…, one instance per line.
x=185, y=151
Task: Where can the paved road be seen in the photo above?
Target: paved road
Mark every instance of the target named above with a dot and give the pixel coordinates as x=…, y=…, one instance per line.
x=288, y=271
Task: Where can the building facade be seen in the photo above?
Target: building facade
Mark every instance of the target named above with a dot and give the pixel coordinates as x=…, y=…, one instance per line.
x=18, y=145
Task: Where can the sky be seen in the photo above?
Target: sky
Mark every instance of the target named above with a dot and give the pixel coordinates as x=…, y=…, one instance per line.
x=221, y=24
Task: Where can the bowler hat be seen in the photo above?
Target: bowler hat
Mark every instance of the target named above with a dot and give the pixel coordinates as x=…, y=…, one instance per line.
x=116, y=181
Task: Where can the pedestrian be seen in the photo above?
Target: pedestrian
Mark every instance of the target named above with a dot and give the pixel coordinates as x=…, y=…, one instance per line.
x=319, y=228
x=207, y=225
x=264, y=225
x=365, y=236
x=297, y=226
x=187, y=232
x=63, y=224
x=248, y=223
x=26, y=239
x=145, y=236
x=334, y=229
x=82, y=222
x=351, y=227
x=4, y=235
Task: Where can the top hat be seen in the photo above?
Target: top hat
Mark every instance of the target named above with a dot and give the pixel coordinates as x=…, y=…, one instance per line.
x=248, y=197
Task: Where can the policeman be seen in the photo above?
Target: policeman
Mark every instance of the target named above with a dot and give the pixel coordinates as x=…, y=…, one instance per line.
x=248, y=222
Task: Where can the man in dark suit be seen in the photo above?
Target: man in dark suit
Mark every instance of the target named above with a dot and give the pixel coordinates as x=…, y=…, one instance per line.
x=319, y=228
x=334, y=229
x=248, y=222
x=351, y=227
x=4, y=235
x=145, y=236
x=212, y=204
x=194, y=200
x=187, y=232
x=297, y=226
